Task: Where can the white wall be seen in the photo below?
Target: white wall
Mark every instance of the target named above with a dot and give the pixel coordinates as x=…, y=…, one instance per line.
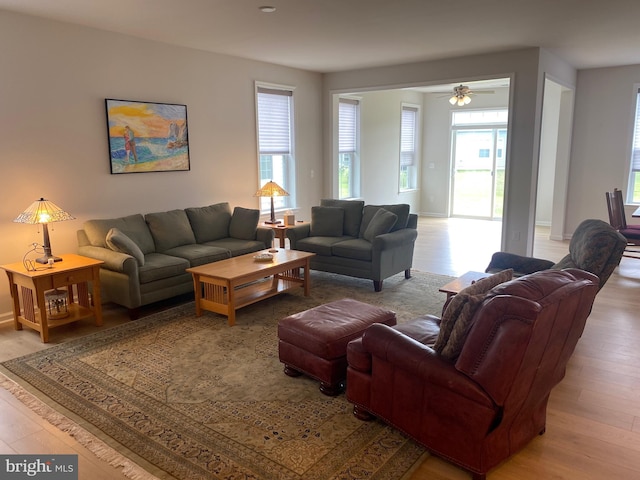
x=380, y=114
x=602, y=136
x=54, y=80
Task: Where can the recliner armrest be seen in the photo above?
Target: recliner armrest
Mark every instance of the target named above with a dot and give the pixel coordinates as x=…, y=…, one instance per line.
x=419, y=361
x=521, y=265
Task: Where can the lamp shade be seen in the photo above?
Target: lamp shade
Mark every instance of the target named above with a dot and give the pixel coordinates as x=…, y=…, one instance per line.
x=272, y=189
x=43, y=211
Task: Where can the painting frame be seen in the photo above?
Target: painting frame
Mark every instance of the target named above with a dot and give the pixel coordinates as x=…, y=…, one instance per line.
x=147, y=137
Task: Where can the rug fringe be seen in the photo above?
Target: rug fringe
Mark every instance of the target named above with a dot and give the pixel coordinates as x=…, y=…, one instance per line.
x=96, y=446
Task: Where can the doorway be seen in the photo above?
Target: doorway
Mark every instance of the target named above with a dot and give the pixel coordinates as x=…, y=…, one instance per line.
x=478, y=153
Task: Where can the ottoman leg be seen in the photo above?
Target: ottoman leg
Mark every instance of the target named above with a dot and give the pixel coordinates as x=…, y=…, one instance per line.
x=331, y=389
x=292, y=372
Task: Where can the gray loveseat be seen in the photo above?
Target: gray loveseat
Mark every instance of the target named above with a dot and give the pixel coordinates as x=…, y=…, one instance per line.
x=364, y=241
x=145, y=257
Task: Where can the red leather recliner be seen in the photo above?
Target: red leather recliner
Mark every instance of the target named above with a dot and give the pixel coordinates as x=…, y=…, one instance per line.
x=491, y=401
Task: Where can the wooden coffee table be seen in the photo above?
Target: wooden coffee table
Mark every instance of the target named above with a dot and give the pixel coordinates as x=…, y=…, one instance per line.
x=227, y=285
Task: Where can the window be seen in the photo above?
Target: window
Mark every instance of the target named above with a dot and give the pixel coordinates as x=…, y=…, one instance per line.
x=484, y=153
x=348, y=148
x=408, y=154
x=633, y=192
x=275, y=143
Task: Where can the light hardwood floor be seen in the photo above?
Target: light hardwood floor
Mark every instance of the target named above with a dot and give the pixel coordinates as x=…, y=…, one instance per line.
x=593, y=419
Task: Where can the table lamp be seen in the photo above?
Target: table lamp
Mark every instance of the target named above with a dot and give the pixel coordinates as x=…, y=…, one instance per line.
x=272, y=189
x=44, y=212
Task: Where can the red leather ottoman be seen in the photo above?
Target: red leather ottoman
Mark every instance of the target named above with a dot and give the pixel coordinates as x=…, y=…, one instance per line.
x=315, y=341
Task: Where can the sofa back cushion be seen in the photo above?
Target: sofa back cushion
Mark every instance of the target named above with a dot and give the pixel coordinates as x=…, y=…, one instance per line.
x=133, y=226
x=210, y=223
x=244, y=223
x=352, y=214
x=326, y=222
x=170, y=229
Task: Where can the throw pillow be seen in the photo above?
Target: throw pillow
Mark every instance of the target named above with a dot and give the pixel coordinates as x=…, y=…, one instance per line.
x=400, y=209
x=326, y=222
x=382, y=222
x=244, y=223
x=119, y=242
x=458, y=317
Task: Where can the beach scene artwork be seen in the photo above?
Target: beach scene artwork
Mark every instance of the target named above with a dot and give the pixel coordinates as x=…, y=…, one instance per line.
x=147, y=137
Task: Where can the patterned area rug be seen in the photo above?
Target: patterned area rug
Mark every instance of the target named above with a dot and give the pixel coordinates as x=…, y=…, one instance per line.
x=188, y=397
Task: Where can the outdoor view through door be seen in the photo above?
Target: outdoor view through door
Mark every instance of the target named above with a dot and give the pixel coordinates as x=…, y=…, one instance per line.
x=479, y=140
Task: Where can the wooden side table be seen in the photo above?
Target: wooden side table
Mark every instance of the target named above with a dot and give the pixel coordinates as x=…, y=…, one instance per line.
x=280, y=230
x=72, y=274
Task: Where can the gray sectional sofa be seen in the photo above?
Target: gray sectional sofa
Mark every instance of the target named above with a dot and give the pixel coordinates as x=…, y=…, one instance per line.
x=364, y=241
x=145, y=257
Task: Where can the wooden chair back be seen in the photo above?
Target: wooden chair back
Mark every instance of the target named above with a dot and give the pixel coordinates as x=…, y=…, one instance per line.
x=615, y=205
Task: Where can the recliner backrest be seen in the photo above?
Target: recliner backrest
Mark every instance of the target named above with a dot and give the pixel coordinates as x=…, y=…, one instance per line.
x=524, y=333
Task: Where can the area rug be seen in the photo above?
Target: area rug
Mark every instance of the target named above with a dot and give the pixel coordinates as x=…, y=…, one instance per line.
x=188, y=397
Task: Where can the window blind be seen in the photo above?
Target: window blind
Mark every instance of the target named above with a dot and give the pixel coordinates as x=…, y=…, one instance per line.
x=347, y=125
x=408, y=136
x=274, y=133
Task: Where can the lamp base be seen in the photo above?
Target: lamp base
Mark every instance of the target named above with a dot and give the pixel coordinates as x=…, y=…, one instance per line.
x=272, y=222
x=46, y=258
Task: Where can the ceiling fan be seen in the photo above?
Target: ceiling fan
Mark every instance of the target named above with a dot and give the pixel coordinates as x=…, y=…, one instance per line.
x=462, y=95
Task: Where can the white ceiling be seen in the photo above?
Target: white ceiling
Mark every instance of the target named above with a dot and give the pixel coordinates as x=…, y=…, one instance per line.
x=334, y=35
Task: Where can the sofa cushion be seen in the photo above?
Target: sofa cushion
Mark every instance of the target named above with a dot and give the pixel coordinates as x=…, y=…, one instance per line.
x=170, y=229
x=352, y=214
x=356, y=248
x=119, y=242
x=236, y=247
x=211, y=222
x=400, y=209
x=457, y=318
x=133, y=226
x=158, y=266
x=326, y=221
x=319, y=245
x=244, y=223
x=198, y=254
x=381, y=223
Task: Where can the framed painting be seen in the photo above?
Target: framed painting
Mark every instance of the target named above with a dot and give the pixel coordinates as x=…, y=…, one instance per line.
x=147, y=137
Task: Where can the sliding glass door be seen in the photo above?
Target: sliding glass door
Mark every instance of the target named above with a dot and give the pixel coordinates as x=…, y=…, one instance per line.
x=478, y=164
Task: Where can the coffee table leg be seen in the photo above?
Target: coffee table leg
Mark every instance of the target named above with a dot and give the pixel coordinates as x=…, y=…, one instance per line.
x=307, y=279
x=197, y=290
x=231, y=305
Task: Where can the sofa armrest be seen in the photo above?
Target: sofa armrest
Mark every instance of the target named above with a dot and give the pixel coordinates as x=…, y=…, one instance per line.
x=387, y=241
x=298, y=233
x=521, y=265
x=265, y=235
x=116, y=261
x=413, y=221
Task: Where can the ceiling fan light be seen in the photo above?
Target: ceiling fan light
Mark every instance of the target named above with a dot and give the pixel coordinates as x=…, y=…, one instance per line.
x=466, y=99
x=453, y=100
x=460, y=101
